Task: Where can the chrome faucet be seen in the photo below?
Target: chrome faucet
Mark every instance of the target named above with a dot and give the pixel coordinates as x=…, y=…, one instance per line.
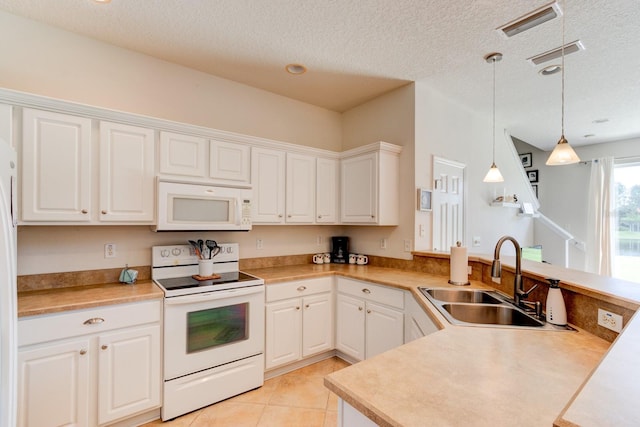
x=518, y=293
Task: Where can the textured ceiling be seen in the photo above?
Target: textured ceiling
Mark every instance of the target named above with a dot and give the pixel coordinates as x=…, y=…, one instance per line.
x=356, y=50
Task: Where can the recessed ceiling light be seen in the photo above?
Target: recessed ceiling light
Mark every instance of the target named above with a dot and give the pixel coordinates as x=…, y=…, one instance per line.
x=295, y=69
x=102, y=1
x=551, y=69
x=530, y=20
x=552, y=54
x=598, y=121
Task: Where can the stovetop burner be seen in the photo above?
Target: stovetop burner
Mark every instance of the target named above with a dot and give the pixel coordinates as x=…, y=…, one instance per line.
x=189, y=282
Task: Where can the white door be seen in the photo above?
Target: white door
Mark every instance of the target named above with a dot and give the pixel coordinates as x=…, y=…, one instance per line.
x=128, y=372
x=283, y=331
x=182, y=155
x=301, y=188
x=56, y=167
x=326, y=190
x=267, y=178
x=385, y=329
x=350, y=326
x=317, y=324
x=448, y=203
x=127, y=185
x=230, y=161
x=53, y=385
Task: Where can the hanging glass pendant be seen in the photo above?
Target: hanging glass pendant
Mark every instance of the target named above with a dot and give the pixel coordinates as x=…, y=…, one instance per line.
x=562, y=154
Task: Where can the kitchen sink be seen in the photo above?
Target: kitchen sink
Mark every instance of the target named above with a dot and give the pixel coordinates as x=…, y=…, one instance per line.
x=491, y=315
x=463, y=295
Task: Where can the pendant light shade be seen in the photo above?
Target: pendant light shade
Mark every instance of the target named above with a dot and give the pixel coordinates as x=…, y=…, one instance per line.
x=562, y=154
x=494, y=174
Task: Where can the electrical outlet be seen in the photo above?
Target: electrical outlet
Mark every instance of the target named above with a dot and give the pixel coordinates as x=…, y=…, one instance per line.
x=383, y=243
x=319, y=240
x=109, y=250
x=476, y=240
x=259, y=244
x=609, y=320
x=407, y=245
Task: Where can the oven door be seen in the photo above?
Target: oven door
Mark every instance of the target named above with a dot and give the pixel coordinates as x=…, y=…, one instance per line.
x=209, y=329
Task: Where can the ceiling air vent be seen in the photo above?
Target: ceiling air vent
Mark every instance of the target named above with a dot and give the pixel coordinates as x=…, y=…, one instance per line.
x=530, y=20
x=550, y=55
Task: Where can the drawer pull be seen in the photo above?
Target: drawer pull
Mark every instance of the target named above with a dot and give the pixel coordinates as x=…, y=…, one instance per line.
x=84, y=211
x=306, y=306
x=366, y=291
x=298, y=308
x=83, y=352
x=104, y=346
x=360, y=308
x=302, y=288
x=93, y=321
x=104, y=212
x=368, y=311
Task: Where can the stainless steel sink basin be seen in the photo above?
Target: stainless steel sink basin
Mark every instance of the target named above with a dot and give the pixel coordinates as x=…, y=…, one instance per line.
x=491, y=315
x=463, y=295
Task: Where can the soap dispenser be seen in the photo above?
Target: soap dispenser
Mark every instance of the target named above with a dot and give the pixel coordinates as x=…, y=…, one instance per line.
x=556, y=311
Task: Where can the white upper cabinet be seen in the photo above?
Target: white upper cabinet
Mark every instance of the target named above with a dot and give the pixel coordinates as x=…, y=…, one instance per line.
x=230, y=161
x=370, y=184
x=127, y=188
x=326, y=191
x=301, y=188
x=183, y=155
x=56, y=167
x=268, y=180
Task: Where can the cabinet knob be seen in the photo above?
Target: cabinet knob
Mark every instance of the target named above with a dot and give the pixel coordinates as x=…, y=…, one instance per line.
x=288, y=216
x=298, y=308
x=84, y=211
x=280, y=216
x=373, y=216
x=93, y=321
x=83, y=352
x=319, y=216
x=104, y=212
x=366, y=291
x=104, y=346
x=368, y=311
x=359, y=308
x=302, y=288
x=306, y=306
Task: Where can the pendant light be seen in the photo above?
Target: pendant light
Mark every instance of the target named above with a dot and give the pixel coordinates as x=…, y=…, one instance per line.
x=562, y=154
x=494, y=174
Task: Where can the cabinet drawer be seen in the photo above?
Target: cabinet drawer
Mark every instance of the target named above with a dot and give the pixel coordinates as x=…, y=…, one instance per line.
x=49, y=327
x=369, y=291
x=298, y=288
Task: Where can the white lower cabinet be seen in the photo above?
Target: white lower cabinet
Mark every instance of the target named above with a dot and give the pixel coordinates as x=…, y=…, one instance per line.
x=369, y=318
x=417, y=323
x=299, y=320
x=89, y=367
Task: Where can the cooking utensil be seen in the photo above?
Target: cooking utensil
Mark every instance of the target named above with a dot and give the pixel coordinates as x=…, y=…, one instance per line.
x=214, y=249
x=196, y=248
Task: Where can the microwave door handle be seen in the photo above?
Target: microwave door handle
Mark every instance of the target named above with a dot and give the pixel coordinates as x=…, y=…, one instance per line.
x=211, y=296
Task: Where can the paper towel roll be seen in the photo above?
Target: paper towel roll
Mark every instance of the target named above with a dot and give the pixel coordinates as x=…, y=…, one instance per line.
x=458, y=266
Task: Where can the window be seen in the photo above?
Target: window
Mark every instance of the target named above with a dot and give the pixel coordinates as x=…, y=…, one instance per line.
x=626, y=256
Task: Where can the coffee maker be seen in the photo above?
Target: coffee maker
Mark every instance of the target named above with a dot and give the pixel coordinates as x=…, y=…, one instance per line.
x=340, y=249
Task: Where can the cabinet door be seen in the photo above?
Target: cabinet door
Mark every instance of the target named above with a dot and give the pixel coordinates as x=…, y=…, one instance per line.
x=283, y=332
x=53, y=385
x=229, y=161
x=129, y=375
x=267, y=178
x=183, y=155
x=385, y=329
x=126, y=173
x=317, y=324
x=359, y=182
x=326, y=191
x=350, y=326
x=56, y=167
x=301, y=188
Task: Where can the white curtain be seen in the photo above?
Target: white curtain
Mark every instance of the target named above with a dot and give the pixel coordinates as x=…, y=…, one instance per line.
x=600, y=219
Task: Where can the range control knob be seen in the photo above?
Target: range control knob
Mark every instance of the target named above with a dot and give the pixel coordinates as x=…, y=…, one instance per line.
x=176, y=251
x=164, y=253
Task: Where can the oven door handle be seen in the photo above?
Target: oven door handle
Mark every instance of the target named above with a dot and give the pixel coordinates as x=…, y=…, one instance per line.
x=211, y=296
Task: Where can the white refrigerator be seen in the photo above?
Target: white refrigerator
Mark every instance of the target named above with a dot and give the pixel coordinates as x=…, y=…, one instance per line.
x=8, y=298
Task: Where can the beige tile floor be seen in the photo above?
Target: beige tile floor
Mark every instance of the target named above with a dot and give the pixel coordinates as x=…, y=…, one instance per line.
x=298, y=398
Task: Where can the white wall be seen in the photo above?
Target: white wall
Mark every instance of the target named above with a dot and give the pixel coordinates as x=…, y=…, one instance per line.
x=388, y=118
x=446, y=129
x=44, y=60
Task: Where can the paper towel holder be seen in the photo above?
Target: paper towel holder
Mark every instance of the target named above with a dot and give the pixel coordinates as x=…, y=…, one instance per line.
x=456, y=283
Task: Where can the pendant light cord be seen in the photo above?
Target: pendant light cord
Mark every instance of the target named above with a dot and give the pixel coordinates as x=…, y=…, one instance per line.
x=494, y=111
x=562, y=51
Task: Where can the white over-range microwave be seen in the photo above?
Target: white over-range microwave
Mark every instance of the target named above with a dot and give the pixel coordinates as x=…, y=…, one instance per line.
x=199, y=207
